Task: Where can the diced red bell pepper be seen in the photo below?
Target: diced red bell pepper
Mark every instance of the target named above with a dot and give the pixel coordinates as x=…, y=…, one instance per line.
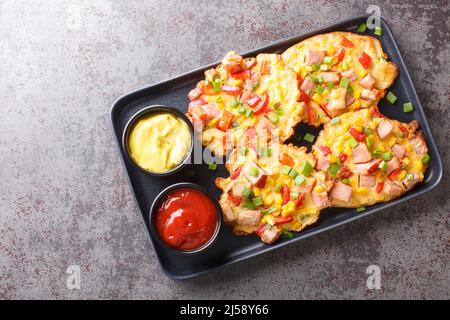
x=345, y=172
x=312, y=115
x=225, y=121
x=236, y=173
x=259, y=232
x=282, y=220
x=358, y=135
x=325, y=150
x=340, y=54
x=347, y=43
x=195, y=94
x=374, y=168
x=403, y=129
x=379, y=187
x=262, y=182
x=241, y=75
x=261, y=107
x=299, y=80
x=375, y=113
x=304, y=97
x=287, y=160
x=342, y=157
x=232, y=90
x=365, y=60
x=394, y=174
x=299, y=201
x=285, y=194
x=253, y=101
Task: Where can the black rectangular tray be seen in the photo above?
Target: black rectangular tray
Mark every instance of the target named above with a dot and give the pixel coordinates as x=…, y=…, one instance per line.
x=230, y=248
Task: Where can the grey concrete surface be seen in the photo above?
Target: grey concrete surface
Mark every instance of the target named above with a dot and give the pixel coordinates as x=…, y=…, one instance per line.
x=64, y=197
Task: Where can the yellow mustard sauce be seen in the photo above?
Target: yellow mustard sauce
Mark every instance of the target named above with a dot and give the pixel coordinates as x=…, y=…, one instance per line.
x=159, y=142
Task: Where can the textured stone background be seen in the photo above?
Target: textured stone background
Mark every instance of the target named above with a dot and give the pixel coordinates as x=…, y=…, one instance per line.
x=64, y=198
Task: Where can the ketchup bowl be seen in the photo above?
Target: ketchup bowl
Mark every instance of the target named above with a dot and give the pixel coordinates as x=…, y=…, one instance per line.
x=185, y=218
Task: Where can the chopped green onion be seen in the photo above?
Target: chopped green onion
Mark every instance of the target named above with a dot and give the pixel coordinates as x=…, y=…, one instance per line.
x=298, y=137
x=378, y=31
x=287, y=234
x=320, y=79
x=243, y=151
x=246, y=192
x=305, y=216
x=234, y=103
x=278, y=111
x=404, y=166
x=253, y=171
x=269, y=210
x=278, y=187
x=369, y=142
x=335, y=120
x=249, y=204
x=241, y=109
x=324, y=67
x=315, y=66
x=306, y=168
x=408, y=107
x=255, y=85
x=268, y=151
x=362, y=28
x=367, y=130
x=352, y=142
x=286, y=169
x=327, y=60
x=386, y=156
x=346, y=181
x=309, y=137
x=344, y=82
x=426, y=158
x=350, y=89
x=257, y=201
x=216, y=86
x=383, y=166
x=299, y=180
x=212, y=166
x=314, y=79
x=219, y=99
x=273, y=118
x=248, y=112
x=294, y=195
x=360, y=209
x=330, y=85
x=319, y=89
x=344, y=65
x=391, y=97
x=333, y=169
x=377, y=153
x=235, y=124
x=293, y=173
x=410, y=177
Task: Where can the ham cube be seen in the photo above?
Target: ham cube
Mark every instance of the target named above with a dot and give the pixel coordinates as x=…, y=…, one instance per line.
x=366, y=181
x=392, y=189
x=314, y=56
x=392, y=165
x=409, y=183
x=365, y=168
x=232, y=62
x=367, y=94
x=349, y=99
x=228, y=213
x=307, y=85
x=249, y=218
x=361, y=154
x=322, y=162
x=399, y=150
x=367, y=82
x=320, y=200
x=255, y=180
x=341, y=191
x=330, y=76
x=270, y=235
x=211, y=111
x=349, y=74
x=384, y=128
x=419, y=145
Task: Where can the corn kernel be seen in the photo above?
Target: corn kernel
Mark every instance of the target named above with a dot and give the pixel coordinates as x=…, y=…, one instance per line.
x=361, y=190
x=331, y=50
x=288, y=209
x=332, y=158
x=319, y=189
x=345, y=127
x=257, y=191
x=356, y=93
x=296, y=226
x=401, y=175
x=317, y=98
x=213, y=122
x=278, y=199
x=236, y=83
x=406, y=160
x=418, y=166
x=362, y=73
x=268, y=200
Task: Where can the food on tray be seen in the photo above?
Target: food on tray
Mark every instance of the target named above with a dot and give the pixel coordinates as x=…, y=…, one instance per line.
x=159, y=142
x=370, y=158
x=272, y=190
x=258, y=94
x=186, y=219
x=339, y=72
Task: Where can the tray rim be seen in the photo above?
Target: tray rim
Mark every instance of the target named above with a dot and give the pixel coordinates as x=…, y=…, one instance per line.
x=434, y=181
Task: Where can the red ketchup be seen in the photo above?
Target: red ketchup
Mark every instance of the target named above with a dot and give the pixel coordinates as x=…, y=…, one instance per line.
x=186, y=219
